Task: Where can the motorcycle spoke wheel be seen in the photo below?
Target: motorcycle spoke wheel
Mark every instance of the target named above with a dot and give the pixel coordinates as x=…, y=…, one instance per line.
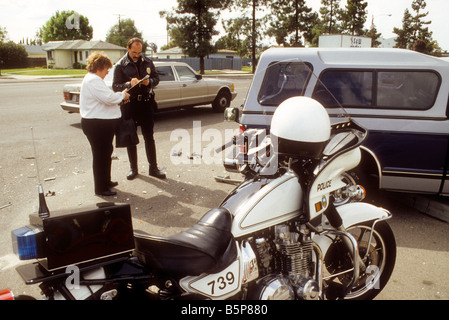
x=379, y=261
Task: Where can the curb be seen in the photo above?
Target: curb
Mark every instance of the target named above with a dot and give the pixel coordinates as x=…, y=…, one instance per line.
x=19, y=78
x=437, y=207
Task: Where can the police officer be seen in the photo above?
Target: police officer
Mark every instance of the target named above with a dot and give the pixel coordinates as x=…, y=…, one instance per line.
x=131, y=68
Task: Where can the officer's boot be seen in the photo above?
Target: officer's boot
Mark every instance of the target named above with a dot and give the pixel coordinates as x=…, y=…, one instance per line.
x=132, y=156
x=150, y=148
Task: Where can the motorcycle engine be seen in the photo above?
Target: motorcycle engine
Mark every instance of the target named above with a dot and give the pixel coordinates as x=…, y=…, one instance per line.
x=286, y=266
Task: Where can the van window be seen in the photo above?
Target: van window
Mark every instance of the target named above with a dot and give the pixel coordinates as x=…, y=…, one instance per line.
x=284, y=80
x=411, y=90
x=350, y=88
x=407, y=89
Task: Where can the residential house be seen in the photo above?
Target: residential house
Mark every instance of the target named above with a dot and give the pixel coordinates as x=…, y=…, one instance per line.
x=36, y=55
x=66, y=54
x=172, y=53
x=225, y=53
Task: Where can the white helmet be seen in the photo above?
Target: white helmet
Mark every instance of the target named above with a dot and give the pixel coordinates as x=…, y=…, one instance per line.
x=301, y=126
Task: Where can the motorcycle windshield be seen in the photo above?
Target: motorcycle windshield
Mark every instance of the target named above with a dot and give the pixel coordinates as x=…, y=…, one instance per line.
x=293, y=77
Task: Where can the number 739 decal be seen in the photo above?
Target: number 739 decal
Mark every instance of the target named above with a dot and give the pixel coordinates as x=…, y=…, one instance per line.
x=217, y=284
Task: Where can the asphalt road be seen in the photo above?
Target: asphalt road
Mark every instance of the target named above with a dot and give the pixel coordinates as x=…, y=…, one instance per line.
x=168, y=206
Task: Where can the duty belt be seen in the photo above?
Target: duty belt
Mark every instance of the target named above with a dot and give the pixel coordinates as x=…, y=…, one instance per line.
x=140, y=97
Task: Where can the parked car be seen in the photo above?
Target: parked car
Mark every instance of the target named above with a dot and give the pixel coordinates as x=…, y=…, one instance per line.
x=400, y=96
x=179, y=87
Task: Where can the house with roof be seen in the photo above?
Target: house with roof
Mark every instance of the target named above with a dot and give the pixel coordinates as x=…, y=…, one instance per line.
x=171, y=53
x=36, y=55
x=67, y=54
x=225, y=53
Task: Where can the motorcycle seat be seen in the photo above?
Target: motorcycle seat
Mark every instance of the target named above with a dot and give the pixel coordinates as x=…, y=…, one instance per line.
x=208, y=246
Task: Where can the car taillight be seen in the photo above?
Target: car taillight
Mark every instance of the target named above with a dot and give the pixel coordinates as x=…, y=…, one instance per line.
x=67, y=95
x=6, y=294
x=28, y=242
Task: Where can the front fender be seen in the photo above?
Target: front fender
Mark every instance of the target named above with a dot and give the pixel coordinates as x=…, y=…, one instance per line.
x=352, y=214
x=358, y=212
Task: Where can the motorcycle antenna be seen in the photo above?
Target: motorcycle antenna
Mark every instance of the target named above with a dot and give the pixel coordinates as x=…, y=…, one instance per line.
x=43, y=209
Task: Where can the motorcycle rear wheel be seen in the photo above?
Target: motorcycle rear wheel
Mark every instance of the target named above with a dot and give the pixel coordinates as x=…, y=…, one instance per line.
x=379, y=260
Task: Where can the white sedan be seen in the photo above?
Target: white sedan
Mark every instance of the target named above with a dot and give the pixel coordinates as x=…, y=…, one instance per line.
x=179, y=87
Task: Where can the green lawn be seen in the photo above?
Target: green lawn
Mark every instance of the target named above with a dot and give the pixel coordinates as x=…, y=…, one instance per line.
x=44, y=72
x=39, y=71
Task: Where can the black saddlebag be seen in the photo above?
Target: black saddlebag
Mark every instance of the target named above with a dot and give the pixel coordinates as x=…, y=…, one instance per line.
x=89, y=233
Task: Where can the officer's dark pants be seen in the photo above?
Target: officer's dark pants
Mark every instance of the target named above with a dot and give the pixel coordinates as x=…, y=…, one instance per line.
x=142, y=113
x=100, y=133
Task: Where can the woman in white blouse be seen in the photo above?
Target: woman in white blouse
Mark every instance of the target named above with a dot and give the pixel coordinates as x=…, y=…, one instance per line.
x=100, y=116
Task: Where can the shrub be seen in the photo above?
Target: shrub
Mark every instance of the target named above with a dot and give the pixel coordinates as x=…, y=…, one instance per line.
x=13, y=55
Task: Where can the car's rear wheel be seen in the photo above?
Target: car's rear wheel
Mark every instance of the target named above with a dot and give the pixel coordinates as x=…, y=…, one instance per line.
x=222, y=101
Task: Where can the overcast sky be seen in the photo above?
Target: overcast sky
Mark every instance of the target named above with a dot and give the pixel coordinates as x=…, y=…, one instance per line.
x=23, y=18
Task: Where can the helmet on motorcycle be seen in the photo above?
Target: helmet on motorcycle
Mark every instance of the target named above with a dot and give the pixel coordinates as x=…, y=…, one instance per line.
x=301, y=126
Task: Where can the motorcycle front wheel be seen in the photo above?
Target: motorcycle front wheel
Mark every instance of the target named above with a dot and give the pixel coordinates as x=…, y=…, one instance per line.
x=378, y=253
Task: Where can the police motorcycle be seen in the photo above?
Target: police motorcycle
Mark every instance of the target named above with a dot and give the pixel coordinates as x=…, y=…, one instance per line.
x=281, y=234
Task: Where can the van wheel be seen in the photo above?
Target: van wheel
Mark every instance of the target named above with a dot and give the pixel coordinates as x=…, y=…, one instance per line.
x=222, y=101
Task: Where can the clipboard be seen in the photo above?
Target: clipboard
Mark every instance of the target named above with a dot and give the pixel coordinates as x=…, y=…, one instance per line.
x=137, y=84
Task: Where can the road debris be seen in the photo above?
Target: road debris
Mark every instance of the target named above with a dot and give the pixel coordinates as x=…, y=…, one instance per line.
x=6, y=205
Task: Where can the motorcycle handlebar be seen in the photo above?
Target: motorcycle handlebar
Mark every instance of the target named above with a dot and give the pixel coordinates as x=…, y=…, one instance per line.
x=225, y=146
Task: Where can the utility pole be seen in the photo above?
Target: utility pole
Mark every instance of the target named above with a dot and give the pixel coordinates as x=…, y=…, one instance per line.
x=119, y=25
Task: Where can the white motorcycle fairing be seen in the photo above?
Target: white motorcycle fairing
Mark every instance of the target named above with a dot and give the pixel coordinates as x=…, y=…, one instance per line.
x=258, y=210
x=329, y=180
x=266, y=202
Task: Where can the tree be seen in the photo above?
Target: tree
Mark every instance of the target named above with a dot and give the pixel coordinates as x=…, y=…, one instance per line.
x=327, y=23
x=193, y=25
x=353, y=18
x=330, y=12
x=374, y=35
x=3, y=34
x=414, y=30
x=236, y=36
x=404, y=35
x=124, y=30
x=253, y=26
x=66, y=25
x=294, y=19
x=153, y=46
x=13, y=55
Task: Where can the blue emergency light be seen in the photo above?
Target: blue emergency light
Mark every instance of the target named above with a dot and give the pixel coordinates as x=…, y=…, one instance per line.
x=27, y=242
